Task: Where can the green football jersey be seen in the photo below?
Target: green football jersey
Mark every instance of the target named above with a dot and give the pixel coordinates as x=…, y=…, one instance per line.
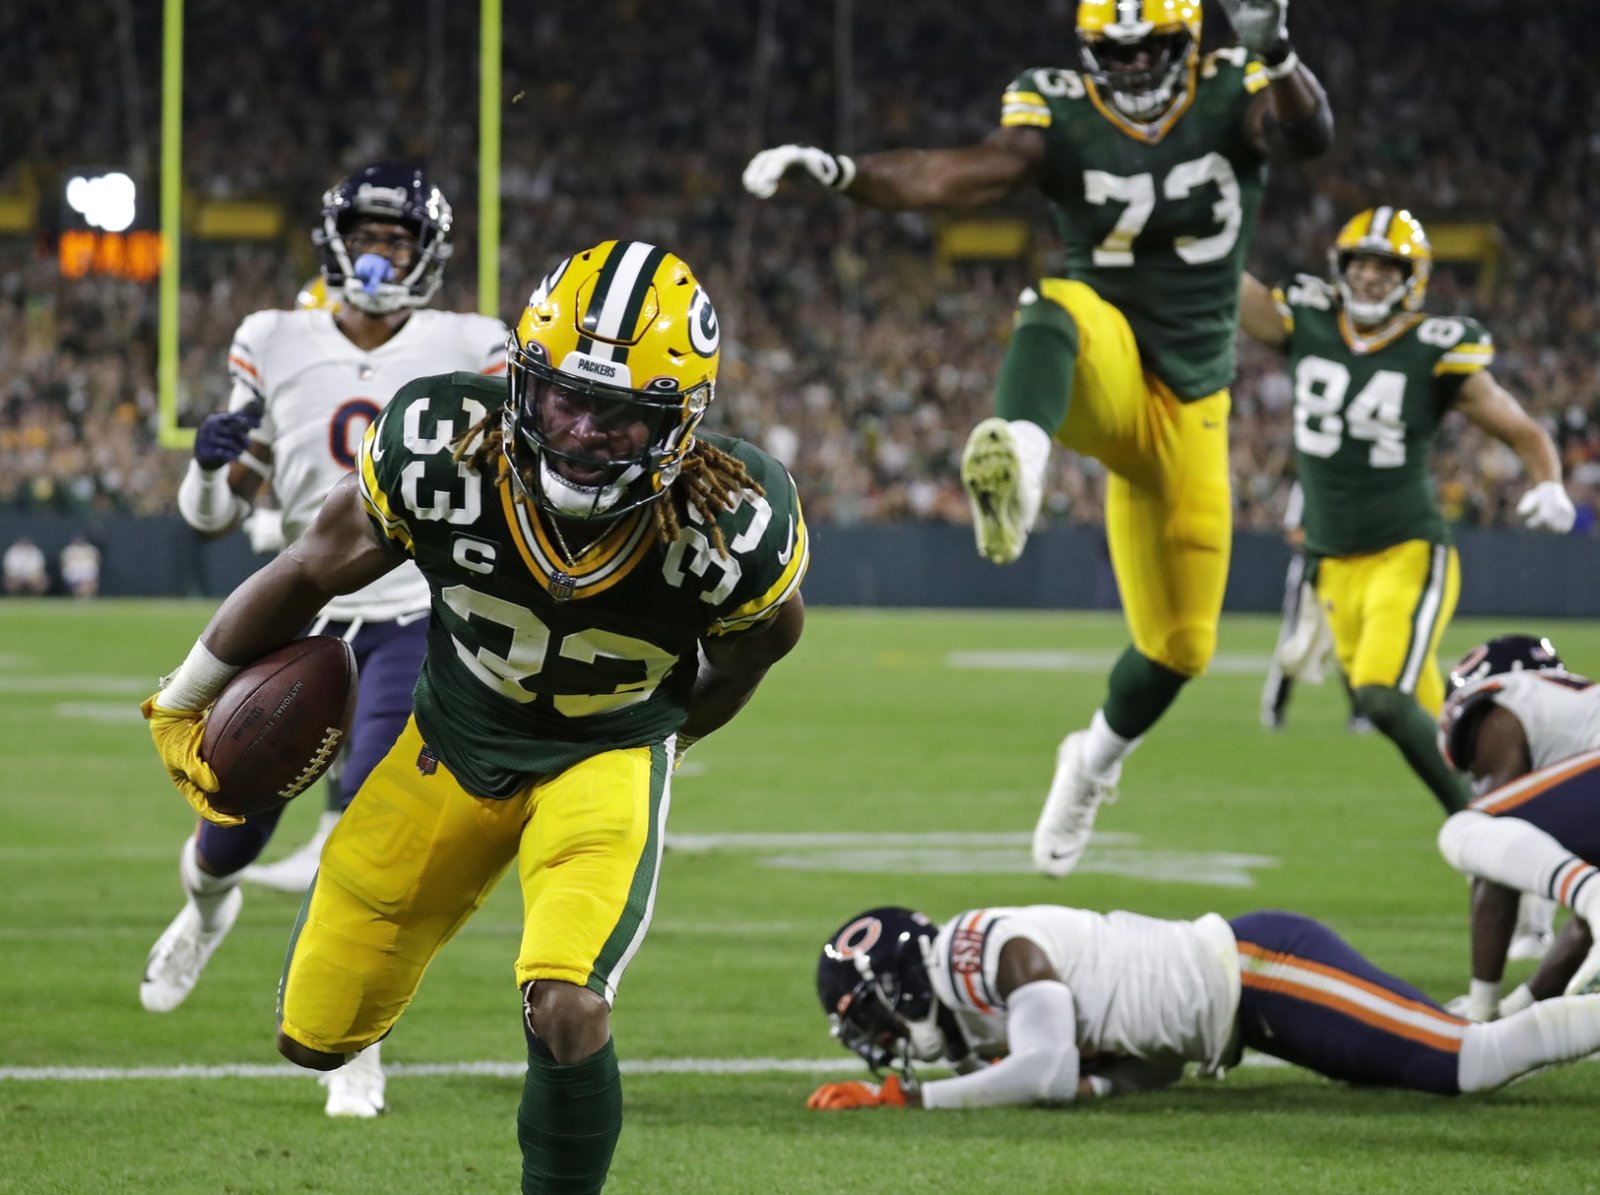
x=1365, y=414
x=1155, y=217
x=534, y=662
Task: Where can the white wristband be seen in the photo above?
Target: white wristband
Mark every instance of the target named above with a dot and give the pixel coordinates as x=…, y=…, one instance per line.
x=205, y=500
x=847, y=172
x=196, y=682
x=1099, y=1086
x=1284, y=69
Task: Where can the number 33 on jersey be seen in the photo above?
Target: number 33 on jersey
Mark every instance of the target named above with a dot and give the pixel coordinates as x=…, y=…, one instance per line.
x=541, y=661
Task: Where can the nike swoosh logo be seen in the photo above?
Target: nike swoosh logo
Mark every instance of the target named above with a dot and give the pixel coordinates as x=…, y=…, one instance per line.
x=788, y=548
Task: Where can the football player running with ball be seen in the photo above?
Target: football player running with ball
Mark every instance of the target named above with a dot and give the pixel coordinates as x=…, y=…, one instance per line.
x=1082, y=1005
x=307, y=384
x=1154, y=157
x=607, y=587
x=1373, y=378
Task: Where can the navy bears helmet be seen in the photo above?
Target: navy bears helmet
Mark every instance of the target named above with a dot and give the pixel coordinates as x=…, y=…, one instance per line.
x=1469, y=699
x=391, y=193
x=872, y=980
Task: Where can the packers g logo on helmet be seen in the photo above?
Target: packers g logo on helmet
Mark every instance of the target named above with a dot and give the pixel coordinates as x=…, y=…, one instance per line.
x=1395, y=235
x=1111, y=34
x=627, y=329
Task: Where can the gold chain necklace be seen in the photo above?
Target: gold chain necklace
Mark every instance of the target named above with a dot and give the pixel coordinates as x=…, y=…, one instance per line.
x=562, y=582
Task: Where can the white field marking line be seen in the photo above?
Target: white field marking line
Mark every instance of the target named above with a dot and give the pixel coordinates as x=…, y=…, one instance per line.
x=498, y=1070
x=484, y=927
x=758, y=840
x=1089, y=661
x=80, y=686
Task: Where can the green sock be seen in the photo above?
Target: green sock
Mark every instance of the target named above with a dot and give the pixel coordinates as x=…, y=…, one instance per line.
x=1036, y=376
x=1138, y=693
x=569, y=1122
x=1410, y=728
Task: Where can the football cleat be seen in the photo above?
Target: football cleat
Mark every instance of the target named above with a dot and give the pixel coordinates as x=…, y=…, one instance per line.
x=1003, y=491
x=1535, y=930
x=356, y=1088
x=295, y=871
x=1585, y=980
x=182, y=952
x=1068, y=814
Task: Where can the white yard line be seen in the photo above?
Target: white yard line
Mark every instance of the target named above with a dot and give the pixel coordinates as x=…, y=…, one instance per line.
x=498, y=1070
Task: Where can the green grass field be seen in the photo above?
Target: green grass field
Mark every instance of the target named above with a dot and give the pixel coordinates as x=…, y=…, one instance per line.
x=895, y=758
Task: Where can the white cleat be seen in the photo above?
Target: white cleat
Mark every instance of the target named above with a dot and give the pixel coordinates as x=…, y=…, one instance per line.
x=1535, y=931
x=182, y=952
x=356, y=1088
x=1068, y=814
x=295, y=871
x=1003, y=491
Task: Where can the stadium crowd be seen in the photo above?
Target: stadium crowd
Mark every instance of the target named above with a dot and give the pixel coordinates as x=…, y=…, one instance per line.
x=863, y=378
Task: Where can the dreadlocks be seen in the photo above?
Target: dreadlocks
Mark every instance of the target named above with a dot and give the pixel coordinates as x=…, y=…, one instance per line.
x=710, y=478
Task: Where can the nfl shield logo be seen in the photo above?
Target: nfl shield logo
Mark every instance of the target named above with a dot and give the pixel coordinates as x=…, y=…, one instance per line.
x=560, y=586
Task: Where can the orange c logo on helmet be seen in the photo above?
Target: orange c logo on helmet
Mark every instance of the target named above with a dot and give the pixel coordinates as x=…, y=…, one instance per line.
x=860, y=936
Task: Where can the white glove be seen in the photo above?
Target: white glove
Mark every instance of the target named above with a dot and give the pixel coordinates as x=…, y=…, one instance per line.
x=265, y=529
x=1262, y=25
x=1546, y=507
x=833, y=171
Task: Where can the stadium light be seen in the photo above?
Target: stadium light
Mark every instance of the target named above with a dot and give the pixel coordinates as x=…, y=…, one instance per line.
x=107, y=201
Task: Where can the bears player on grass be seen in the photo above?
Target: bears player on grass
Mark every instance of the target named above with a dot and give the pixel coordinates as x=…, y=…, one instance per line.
x=606, y=587
x=307, y=384
x=1527, y=732
x=1153, y=156
x=1082, y=1005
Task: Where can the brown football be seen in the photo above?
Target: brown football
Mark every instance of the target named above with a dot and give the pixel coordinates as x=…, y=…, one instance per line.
x=279, y=723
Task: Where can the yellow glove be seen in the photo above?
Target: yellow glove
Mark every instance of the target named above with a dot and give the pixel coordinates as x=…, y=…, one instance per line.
x=177, y=734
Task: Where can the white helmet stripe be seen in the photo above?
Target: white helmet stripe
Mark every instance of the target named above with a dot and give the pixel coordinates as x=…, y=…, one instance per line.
x=1380, y=223
x=608, y=326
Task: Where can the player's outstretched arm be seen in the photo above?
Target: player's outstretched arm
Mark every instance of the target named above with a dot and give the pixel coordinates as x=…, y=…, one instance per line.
x=1004, y=162
x=1291, y=119
x=1545, y=507
x=731, y=668
x=1259, y=317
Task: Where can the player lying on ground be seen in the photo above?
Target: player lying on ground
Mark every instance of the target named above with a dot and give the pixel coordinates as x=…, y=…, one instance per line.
x=1527, y=732
x=1078, y=1005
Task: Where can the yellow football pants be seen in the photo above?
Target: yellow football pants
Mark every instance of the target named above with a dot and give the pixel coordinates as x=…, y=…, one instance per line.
x=415, y=855
x=1169, y=509
x=1388, y=611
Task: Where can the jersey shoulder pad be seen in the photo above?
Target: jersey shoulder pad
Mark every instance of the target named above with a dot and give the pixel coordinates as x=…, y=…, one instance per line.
x=1307, y=290
x=407, y=468
x=251, y=345
x=1026, y=102
x=966, y=959
x=767, y=547
x=482, y=339
x=1463, y=345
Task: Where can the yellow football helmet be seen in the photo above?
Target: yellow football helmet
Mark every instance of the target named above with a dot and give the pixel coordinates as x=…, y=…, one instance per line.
x=1395, y=235
x=1140, y=52
x=313, y=296
x=624, y=332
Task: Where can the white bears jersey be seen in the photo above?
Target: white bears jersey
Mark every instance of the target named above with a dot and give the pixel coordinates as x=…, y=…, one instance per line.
x=1144, y=988
x=320, y=393
x=1559, y=711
